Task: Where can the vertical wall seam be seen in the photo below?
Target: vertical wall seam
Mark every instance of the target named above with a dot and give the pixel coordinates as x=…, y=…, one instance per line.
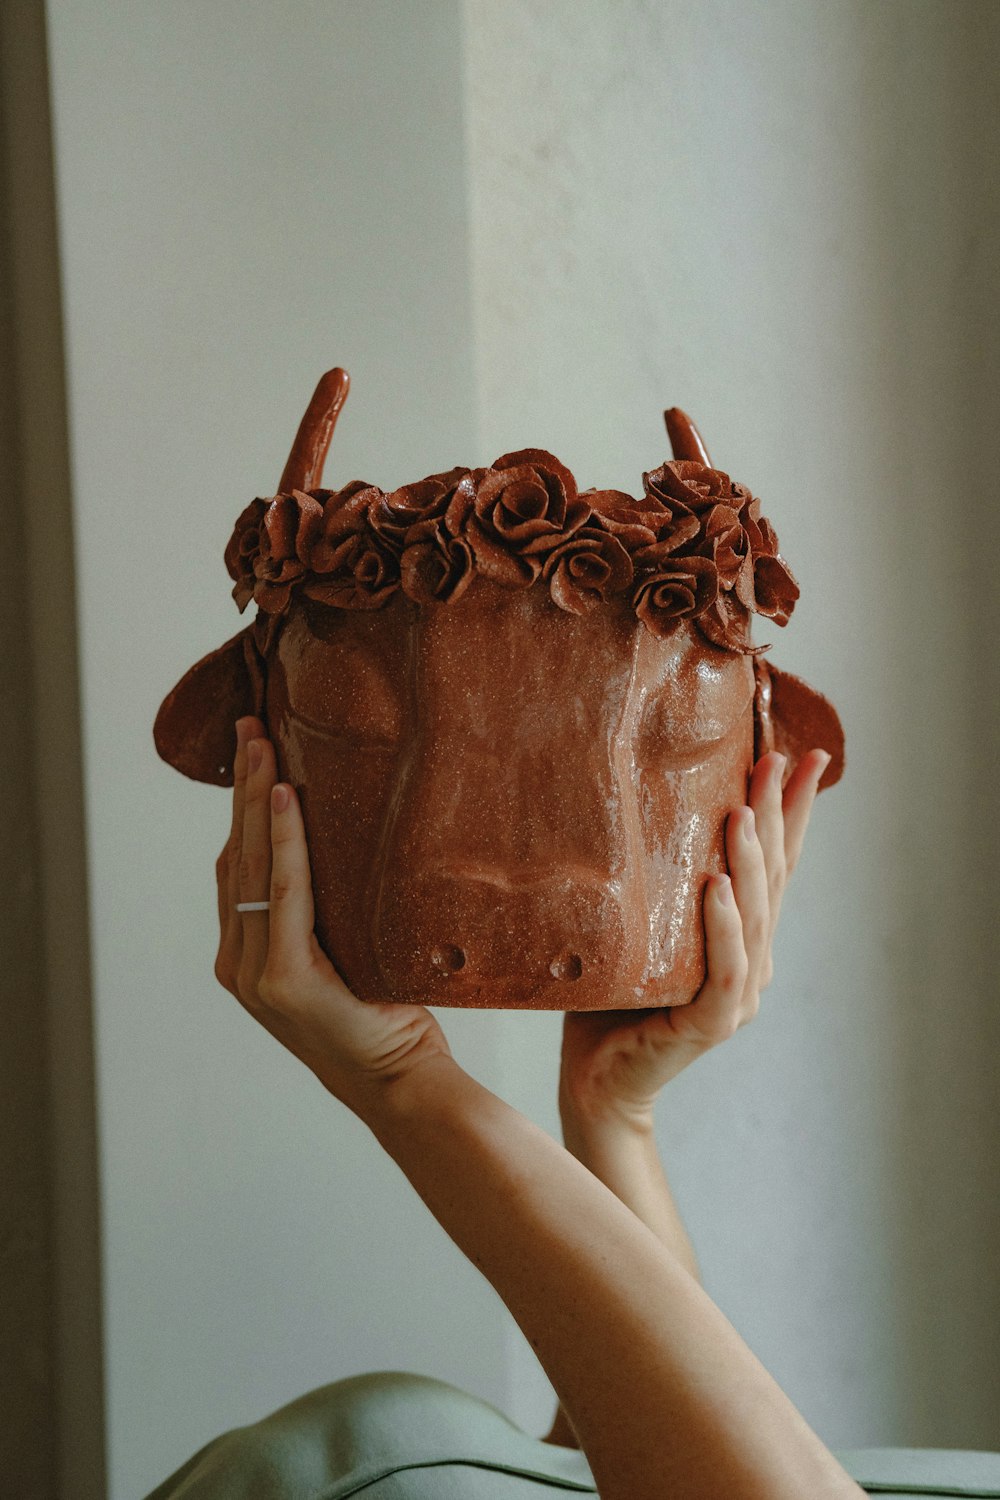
x=43, y=496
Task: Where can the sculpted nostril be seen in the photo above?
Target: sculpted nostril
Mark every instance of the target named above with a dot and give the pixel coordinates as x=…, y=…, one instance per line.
x=448, y=958
x=566, y=966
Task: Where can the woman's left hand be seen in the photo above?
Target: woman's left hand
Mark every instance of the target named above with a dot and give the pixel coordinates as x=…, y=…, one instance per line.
x=272, y=961
x=614, y=1063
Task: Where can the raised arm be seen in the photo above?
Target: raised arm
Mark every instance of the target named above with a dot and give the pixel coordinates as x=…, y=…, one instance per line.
x=665, y=1396
x=614, y=1063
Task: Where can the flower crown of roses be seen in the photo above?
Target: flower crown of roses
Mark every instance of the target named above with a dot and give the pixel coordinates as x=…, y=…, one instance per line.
x=695, y=547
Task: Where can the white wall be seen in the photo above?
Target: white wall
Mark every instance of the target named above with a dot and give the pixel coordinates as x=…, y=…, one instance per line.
x=245, y=200
x=536, y=223
x=772, y=215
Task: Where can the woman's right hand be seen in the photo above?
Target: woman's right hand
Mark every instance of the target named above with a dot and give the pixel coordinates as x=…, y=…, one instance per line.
x=614, y=1063
x=272, y=961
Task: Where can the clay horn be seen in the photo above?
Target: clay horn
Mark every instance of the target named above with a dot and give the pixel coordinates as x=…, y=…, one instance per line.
x=304, y=469
x=195, y=727
x=685, y=439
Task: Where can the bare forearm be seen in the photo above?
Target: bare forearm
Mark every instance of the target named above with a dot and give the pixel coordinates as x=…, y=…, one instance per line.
x=624, y=1156
x=664, y=1395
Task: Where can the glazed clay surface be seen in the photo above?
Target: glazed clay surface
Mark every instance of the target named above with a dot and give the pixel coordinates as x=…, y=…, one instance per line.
x=506, y=804
x=516, y=715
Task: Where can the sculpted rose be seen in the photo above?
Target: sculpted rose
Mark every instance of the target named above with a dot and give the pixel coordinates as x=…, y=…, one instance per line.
x=694, y=546
x=394, y=516
x=685, y=486
x=671, y=587
x=242, y=549
x=269, y=549
x=587, y=569
x=351, y=567
x=514, y=513
x=638, y=523
x=725, y=540
x=435, y=566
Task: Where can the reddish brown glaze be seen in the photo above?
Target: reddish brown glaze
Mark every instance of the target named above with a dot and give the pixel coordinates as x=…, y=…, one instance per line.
x=513, y=732
x=304, y=468
x=507, y=805
x=793, y=718
x=685, y=439
x=195, y=729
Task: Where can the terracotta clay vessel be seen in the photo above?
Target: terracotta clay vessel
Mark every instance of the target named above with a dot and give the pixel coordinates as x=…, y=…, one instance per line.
x=516, y=715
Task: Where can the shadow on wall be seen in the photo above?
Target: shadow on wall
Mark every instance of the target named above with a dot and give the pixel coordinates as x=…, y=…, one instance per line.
x=853, y=186
x=51, y=1378
x=941, y=859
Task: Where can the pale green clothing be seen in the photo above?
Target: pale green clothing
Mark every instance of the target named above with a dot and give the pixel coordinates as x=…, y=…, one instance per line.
x=407, y=1437
x=386, y=1436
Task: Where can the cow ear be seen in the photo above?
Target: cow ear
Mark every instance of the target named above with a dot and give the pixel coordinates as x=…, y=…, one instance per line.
x=792, y=717
x=195, y=727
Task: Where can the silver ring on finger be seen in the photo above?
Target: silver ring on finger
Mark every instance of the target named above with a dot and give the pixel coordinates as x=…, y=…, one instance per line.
x=253, y=906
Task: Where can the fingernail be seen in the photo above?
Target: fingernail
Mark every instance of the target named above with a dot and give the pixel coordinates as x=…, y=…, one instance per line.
x=780, y=763
x=255, y=754
x=827, y=757
x=279, y=798
x=749, y=825
x=724, y=889
x=242, y=731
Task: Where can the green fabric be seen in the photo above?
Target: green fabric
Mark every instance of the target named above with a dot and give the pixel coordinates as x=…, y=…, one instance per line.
x=937, y=1472
x=390, y=1436
x=407, y=1437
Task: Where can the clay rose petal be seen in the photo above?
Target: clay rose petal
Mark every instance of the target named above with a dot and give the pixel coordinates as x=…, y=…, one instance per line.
x=245, y=538
x=538, y=458
x=435, y=567
x=675, y=589
x=242, y=549
x=636, y=523
x=763, y=537
x=726, y=624
x=728, y=545
x=290, y=526
x=463, y=502
x=395, y=514
x=688, y=485
x=351, y=567
x=775, y=589
x=519, y=505
x=362, y=575
x=512, y=570
x=586, y=570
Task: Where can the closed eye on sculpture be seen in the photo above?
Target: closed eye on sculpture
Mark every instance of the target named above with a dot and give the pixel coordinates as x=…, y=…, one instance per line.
x=665, y=743
x=339, y=682
x=685, y=723
x=345, y=726
x=353, y=702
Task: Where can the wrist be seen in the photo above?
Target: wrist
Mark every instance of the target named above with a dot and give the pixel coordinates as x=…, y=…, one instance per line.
x=591, y=1125
x=389, y=1105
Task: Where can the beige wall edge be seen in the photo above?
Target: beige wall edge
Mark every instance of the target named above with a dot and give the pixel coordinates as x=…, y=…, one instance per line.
x=54, y=1408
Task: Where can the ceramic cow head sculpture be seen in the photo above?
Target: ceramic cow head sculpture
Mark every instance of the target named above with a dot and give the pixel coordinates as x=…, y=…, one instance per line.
x=516, y=714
